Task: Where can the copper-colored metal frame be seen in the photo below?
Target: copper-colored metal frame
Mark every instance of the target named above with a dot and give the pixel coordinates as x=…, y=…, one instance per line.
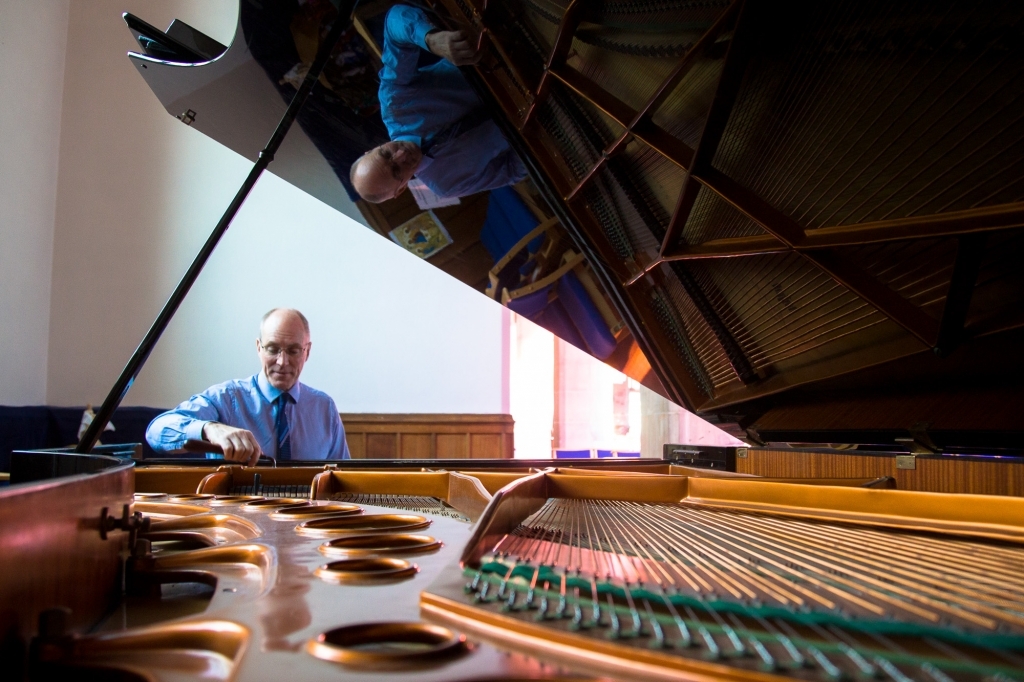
x=960, y=516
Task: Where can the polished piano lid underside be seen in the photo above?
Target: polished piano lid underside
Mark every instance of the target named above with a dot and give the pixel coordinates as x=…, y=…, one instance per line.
x=808, y=215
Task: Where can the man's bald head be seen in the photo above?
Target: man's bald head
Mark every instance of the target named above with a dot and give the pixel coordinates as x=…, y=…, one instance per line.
x=284, y=315
x=384, y=172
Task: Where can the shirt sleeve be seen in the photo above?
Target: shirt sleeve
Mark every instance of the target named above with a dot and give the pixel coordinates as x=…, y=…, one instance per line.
x=339, y=444
x=170, y=430
x=405, y=34
x=465, y=176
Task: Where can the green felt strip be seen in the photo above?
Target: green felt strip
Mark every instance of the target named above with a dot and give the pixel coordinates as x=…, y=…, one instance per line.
x=1005, y=642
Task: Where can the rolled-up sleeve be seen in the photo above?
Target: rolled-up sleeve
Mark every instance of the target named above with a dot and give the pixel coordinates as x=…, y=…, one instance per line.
x=405, y=33
x=169, y=431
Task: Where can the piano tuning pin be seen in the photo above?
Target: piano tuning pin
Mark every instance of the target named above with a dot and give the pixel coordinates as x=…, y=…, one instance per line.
x=473, y=584
x=562, y=605
x=528, y=603
x=709, y=641
x=767, y=660
x=657, y=635
x=510, y=603
x=827, y=666
x=797, y=659
x=863, y=666
x=543, y=608
x=577, y=610
x=634, y=615
x=737, y=644
x=577, y=617
x=481, y=596
x=615, y=627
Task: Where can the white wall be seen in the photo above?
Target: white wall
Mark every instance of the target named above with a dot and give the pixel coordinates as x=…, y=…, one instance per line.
x=139, y=192
x=31, y=85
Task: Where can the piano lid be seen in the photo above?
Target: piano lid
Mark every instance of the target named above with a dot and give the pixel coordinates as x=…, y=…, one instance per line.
x=804, y=219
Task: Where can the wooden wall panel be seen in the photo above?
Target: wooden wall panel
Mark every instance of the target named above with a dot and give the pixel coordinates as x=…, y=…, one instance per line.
x=416, y=446
x=381, y=446
x=453, y=446
x=931, y=473
x=356, y=445
x=429, y=436
x=485, y=446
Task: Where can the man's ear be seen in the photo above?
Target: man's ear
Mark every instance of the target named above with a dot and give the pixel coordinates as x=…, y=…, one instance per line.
x=400, y=189
x=309, y=347
x=257, y=347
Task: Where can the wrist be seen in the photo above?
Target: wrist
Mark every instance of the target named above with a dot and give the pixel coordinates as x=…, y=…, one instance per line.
x=429, y=39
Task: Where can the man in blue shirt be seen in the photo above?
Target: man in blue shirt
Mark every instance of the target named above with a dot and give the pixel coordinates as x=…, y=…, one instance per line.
x=439, y=129
x=270, y=412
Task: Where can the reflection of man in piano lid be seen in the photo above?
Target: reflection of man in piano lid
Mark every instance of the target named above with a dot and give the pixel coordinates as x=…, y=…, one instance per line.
x=440, y=131
x=270, y=412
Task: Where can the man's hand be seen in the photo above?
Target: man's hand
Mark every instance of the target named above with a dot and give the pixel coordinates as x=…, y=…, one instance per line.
x=454, y=46
x=238, y=445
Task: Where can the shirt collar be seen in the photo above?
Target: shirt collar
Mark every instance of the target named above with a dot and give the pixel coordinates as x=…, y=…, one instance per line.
x=271, y=393
x=415, y=139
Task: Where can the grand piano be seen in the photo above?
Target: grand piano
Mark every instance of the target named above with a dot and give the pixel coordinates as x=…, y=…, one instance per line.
x=803, y=223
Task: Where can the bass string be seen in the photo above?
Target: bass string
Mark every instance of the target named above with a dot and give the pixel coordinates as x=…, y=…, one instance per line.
x=637, y=556
x=886, y=556
x=634, y=545
x=921, y=603
x=907, y=578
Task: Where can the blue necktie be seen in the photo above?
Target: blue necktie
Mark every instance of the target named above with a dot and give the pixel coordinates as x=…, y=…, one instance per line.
x=284, y=436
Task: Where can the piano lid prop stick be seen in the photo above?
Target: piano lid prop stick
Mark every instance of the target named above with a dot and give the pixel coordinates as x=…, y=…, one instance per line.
x=138, y=359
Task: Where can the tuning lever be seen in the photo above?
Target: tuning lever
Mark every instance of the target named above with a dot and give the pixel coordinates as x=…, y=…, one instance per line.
x=203, y=446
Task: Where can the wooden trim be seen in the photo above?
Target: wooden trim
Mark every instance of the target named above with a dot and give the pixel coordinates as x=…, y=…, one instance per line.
x=970, y=250
x=957, y=223
x=51, y=552
x=423, y=418
x=416, y=436
x=888, y=302
x=932, y=474
x=757, y=209
x=736, y=59
x=970, y=221
x=729, y=248
x=611, y=105
x=685, y=63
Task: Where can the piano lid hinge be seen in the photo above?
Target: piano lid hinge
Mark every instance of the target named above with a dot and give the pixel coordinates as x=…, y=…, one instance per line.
x=919, y=442
x=188, y=118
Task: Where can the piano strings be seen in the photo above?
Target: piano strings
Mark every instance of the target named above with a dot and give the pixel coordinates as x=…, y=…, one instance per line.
x=780, y=593
x=413, y=503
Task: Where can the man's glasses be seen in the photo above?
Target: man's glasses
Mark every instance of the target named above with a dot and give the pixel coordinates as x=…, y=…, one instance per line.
x=274, y=351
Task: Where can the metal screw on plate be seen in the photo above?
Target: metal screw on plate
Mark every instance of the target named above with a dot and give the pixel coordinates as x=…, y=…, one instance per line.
x=906, y=461
x=741, y=453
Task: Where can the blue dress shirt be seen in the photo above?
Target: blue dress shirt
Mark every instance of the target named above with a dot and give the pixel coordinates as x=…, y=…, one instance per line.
x=315, y=427
x=416, y=103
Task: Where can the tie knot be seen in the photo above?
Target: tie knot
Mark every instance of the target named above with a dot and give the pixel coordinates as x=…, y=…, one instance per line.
x=285, y=398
